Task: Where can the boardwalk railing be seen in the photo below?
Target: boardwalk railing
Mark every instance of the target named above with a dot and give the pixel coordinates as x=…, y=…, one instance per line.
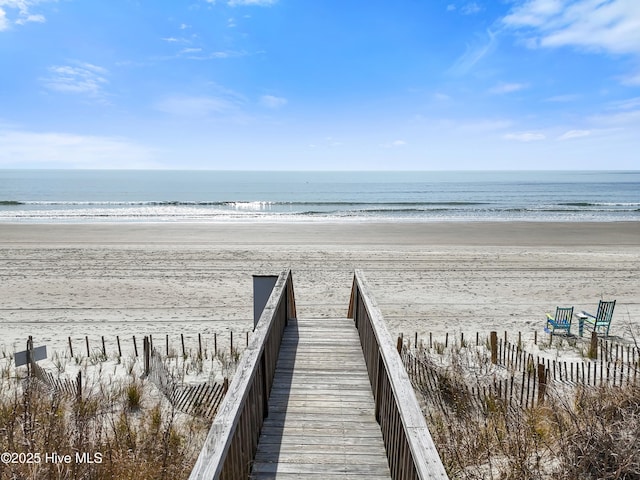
x=410, y=449
x=233, y=438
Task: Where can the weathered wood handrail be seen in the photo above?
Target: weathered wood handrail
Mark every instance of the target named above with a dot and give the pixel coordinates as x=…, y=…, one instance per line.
x=233, y=438
x=410, y=449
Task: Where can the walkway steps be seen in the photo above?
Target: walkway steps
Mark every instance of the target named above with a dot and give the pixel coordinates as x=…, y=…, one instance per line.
x=321, y=422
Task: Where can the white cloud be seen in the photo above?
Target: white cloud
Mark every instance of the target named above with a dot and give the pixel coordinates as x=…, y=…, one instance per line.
x=473, y=54
x=471, y=9
x=525, y=136
x=619, y=119
x=441, y=97
x=451, y=7
x=262, y=3
x=271, y=101
x=508, y=88
x=23, y=14
x=22, y=148
x=195, y=106
x=574, y=134
x=569, y=97
x=628, y=104
x=84, y=78
x=611, y=26
x=4, y=23
x=31, y=18
x=533, y=13
x=632, y=79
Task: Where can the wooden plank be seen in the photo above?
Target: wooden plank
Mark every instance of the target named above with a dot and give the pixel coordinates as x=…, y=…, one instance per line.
x=321, y=421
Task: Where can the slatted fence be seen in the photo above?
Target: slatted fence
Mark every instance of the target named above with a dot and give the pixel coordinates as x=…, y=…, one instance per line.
x=202, y=400
x=517, y=377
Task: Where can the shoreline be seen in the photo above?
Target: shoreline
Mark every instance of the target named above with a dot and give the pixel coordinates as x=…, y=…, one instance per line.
x=508, y=233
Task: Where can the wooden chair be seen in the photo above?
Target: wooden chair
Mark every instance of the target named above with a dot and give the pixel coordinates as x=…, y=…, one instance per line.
x=561, y=320
x=601, y=321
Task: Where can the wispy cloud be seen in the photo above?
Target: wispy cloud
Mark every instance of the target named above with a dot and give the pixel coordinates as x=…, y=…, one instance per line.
x=571, y=134
x=508, y=88
x=470, y=8
x=20, y=148
x=78, y=78
x=474, y=52
x=627, y=104
x=569, y=97
x=632, y=79
x=4, y=23
x=609, y=26
x=525, y=136
x=196, y=106
x=271, y=101
x=261, y=3
x=21, y=13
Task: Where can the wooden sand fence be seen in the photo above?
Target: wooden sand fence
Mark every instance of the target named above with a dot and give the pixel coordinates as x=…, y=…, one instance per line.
x=61, y=386
x=519, y=378
x=232, y=341
x=201, y=400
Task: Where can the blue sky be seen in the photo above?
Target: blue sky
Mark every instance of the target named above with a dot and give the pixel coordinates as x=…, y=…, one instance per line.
x=313, y=85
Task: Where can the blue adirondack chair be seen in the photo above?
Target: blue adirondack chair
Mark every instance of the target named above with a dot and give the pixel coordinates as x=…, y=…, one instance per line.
x=601, y=321
x=560, y=321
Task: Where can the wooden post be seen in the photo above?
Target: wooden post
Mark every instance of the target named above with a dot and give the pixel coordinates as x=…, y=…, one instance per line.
x=184, y=354
x=86, y=340
x=494, y=347
x=477, y=338
x=29, y=355
x=70, y=347
x=119, y=349
x=135, y=345
x=231, y=342
x=200, y=344
x=593, y=347
x=215, y=344
x=247, y=338
x=104, y=348
x=542, y=383
x=79, y=387
x=446, y=340
x=399, y=344
x=415, y=342
x=146, y=345
x=535, y=337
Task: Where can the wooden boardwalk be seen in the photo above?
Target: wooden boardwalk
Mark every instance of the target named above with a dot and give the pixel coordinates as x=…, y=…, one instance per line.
x=321, y=422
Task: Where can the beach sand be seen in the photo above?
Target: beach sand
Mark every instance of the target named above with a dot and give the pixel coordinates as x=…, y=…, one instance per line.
x=96, y=280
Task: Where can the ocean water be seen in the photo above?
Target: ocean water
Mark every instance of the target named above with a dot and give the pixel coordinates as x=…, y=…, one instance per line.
x=76, y=196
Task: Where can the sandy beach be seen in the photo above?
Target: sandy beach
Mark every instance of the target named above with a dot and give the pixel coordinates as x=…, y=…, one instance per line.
x=61, y=280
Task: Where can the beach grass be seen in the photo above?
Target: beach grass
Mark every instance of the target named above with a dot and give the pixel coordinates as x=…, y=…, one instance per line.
x=119, y=431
